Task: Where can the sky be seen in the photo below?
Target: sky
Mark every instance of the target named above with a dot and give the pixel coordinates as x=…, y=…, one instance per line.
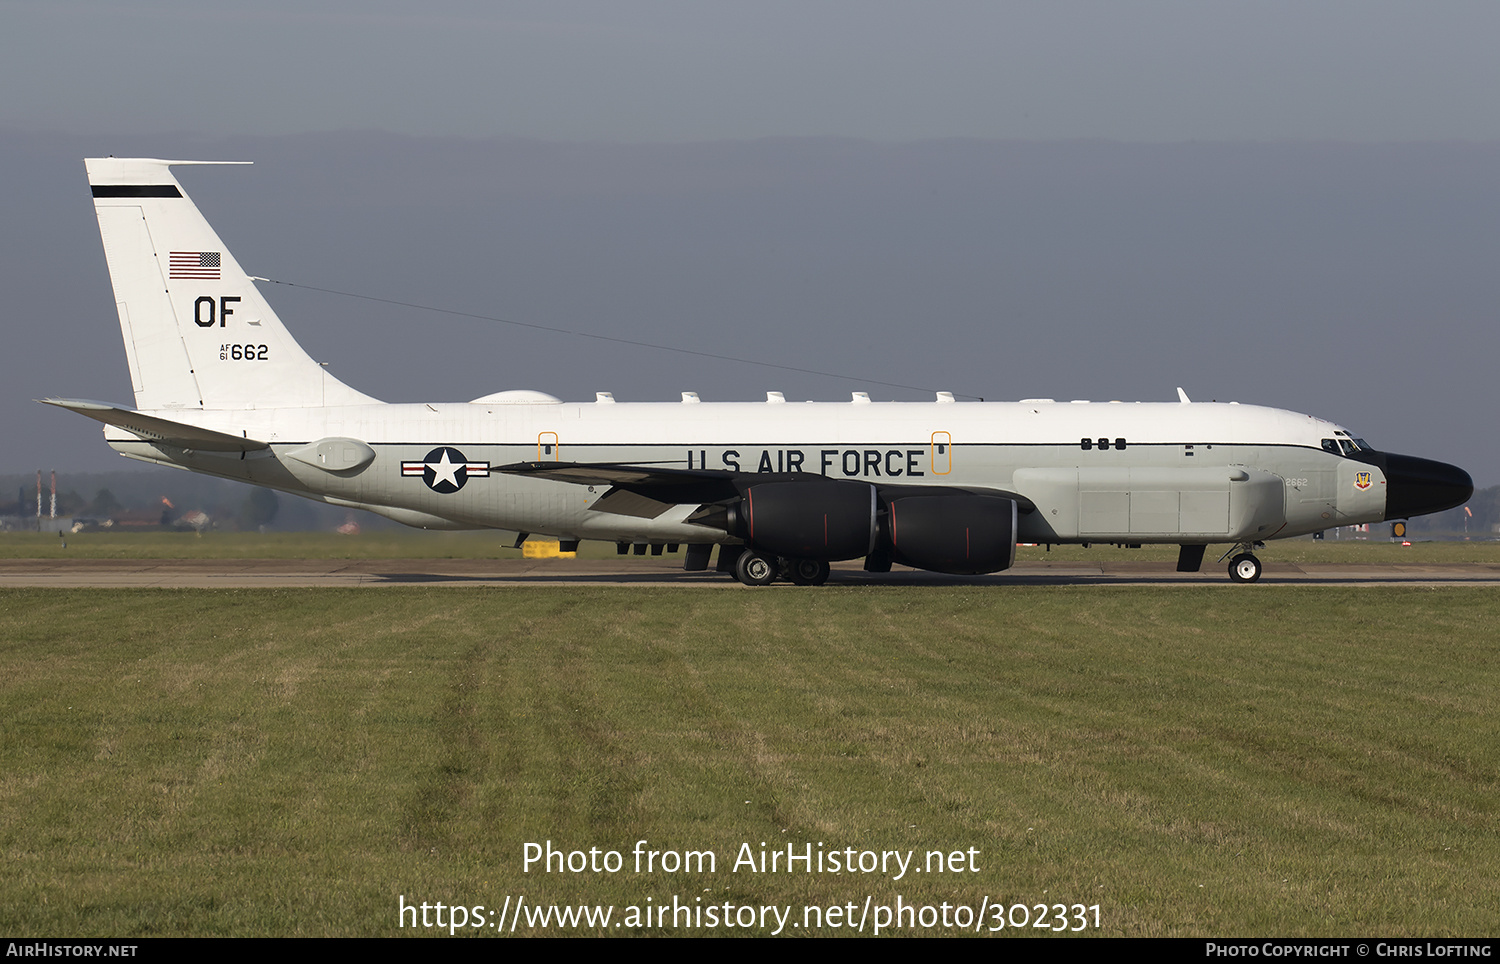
x=652, y=72
x=1291, y=204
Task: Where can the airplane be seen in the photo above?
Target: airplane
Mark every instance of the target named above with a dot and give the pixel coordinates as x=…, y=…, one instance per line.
x=782, y=488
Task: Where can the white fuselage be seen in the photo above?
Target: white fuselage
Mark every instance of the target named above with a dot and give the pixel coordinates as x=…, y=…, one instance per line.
x=1186, y=472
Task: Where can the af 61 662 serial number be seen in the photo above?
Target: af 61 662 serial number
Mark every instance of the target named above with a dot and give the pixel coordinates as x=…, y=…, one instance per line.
x=244, y=352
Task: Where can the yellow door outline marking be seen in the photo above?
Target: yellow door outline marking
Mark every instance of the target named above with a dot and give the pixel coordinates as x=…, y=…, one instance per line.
x=940, y=454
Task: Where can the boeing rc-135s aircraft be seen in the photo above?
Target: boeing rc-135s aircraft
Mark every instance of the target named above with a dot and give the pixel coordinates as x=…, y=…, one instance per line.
x=784, y=489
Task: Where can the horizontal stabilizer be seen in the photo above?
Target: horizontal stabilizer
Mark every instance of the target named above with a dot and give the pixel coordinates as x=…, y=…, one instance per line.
x=155, y=429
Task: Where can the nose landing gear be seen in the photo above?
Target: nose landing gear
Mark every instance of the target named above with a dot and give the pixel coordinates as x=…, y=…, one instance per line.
x=1244, y=567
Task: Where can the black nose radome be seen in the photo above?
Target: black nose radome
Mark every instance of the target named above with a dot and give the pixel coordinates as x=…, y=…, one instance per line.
x=1419, y=486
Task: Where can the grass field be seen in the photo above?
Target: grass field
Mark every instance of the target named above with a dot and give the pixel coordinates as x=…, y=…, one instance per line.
x=1195, y=761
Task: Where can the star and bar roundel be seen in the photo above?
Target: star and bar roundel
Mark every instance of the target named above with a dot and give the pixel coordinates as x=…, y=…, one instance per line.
x=445, y=469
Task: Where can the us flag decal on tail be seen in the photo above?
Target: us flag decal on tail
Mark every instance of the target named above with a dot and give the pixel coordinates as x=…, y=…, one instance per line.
x=202, y=265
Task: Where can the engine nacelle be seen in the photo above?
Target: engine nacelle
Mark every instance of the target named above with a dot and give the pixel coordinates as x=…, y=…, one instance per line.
x=963, y=534
x=812, y=518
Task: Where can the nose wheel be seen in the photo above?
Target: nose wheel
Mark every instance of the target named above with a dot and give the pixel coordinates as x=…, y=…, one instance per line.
x=1244, y=568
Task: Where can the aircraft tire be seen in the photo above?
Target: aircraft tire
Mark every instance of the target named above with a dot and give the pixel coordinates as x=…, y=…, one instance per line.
x=1244, y=568
x=807, y=572
x=754, y=569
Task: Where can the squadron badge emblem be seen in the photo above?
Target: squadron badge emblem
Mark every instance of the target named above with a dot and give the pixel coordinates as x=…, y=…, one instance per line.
x=445, y=469
x=1361, y=480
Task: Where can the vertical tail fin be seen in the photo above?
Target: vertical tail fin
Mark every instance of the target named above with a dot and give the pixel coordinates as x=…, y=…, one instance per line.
x=197, y=332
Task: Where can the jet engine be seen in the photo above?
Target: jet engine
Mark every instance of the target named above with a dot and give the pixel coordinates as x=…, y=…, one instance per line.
x=961, y=533
x=812, y=518
x=826, y=519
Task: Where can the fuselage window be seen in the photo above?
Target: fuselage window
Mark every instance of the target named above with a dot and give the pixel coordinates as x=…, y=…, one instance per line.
x=1120, y=444
x=1086, y=444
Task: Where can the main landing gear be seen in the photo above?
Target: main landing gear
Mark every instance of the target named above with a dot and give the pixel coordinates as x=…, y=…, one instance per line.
x=1244, y=567
x=754, y=569
x=761, y=569
x=806, y=572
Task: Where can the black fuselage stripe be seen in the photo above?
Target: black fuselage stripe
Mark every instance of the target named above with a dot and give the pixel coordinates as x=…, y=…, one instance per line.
x=136, y=190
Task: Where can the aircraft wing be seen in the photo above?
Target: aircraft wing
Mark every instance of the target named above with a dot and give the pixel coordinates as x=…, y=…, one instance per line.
x=154, y=429
x=647, y=491
x=644, y=491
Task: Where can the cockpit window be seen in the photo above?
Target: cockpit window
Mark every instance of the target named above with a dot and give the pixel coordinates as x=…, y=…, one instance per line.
x=1345, y=445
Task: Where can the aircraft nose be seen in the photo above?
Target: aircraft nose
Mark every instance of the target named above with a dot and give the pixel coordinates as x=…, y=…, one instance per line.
x=1418, y=486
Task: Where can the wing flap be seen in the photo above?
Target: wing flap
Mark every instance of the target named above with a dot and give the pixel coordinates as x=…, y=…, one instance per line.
x=624, y=502
x=657, y=483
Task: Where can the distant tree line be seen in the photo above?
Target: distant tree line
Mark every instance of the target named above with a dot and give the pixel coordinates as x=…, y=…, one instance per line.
x=165, y=497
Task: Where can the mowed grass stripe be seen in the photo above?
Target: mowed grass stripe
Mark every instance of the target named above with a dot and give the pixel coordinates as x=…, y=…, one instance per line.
x=1214, y=760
